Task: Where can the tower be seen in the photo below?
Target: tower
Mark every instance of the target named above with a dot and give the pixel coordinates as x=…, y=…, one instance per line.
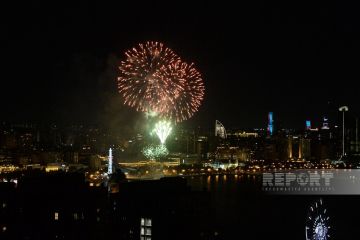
x=290, y=147
x=356, y=137
x=220, y=130
x=343, y=109
x=325, y=124
x=110, y=164
x=270, y=127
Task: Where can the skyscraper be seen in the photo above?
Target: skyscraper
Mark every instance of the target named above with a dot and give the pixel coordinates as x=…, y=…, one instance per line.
x=110, y=164
x=325, y=124
x=270, y=127
x=220, y=130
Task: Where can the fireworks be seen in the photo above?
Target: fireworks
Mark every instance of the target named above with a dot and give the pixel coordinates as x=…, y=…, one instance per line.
x=154, y=79
x=155, y=152
x=187, y=91
x=162, y=130
x=317, y=222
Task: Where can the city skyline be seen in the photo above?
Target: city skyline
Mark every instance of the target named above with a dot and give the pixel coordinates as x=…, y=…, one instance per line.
x=179, y=120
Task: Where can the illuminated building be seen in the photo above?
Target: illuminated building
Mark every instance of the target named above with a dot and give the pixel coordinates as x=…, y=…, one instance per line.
x=145, y=228
x=53, y=167
x=244, y=134
x=290, y=148
x=201, y=147
x=343, y=109
x=270, y=127
x=168, y=214
x=305, y=149
x=110, y=164
x=307, y=124
x=232, y=155
x=220, y=130
x=325, y=124
x=298, y=148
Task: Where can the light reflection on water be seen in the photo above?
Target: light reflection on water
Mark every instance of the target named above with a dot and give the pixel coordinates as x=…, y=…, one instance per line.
x=237, y=203
x=222, y=183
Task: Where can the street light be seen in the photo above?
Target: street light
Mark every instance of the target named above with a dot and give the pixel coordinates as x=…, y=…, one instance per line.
x=343, y=109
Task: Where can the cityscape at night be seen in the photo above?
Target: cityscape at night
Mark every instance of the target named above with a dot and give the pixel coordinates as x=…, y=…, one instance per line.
x=179, y=120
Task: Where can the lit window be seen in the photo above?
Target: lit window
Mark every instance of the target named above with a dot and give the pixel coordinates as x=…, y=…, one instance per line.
x=98, y=219
x=145, y=228
x=4, y=228
x=56, y=216
x=4, y=205
x=76, y=216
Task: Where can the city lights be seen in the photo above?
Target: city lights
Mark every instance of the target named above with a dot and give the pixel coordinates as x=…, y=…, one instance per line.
x=110, y=164
x=172, y=120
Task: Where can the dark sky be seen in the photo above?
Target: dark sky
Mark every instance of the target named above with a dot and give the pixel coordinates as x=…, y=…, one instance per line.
x=299, y=60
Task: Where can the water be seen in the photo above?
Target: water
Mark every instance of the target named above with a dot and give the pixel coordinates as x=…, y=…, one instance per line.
x=240, y=208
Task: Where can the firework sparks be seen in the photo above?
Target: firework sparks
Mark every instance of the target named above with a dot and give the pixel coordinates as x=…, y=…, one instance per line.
x=187, y=91
x=163, y=130
x=139, y=82
x=155, y=152
x=154, y=79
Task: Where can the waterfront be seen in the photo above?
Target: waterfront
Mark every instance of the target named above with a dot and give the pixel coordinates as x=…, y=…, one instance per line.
x=241, y=209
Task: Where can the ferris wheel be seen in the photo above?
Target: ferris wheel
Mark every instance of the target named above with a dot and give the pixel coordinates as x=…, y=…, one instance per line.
x=317, y=222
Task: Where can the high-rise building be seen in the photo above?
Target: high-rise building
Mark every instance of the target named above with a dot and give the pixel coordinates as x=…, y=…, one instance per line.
x=298, y=148
x=110, y=164
x=220, y=130
x=325, y=124
x=304, y=149
x=145, y=228
x=307, y=124
x=270, y=127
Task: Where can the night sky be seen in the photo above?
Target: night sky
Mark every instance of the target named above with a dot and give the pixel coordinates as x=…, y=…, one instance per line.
x=299, y=60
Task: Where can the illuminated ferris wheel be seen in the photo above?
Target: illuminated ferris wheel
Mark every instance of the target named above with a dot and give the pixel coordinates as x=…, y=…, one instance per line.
x=317, y=222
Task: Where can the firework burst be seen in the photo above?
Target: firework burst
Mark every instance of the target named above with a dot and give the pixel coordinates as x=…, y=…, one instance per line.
x=187, y=91
x=162, y=130
x=139, y=81
x=152, y=152
x=154, y=79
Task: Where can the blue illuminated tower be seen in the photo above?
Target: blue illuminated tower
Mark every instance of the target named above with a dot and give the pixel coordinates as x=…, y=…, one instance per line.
x=270, y=127
x=308, y=124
